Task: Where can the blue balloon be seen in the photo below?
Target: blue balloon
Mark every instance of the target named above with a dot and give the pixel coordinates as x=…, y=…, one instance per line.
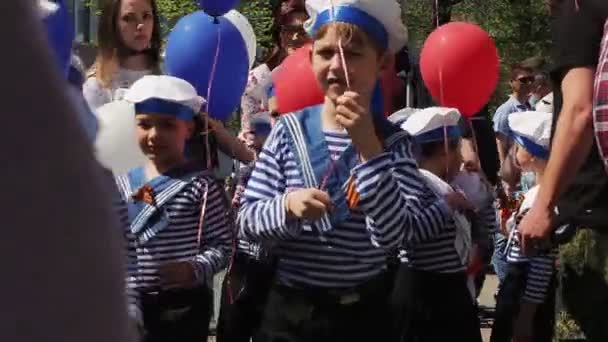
x=60, y=33
x=217, y=7
x=190, y=54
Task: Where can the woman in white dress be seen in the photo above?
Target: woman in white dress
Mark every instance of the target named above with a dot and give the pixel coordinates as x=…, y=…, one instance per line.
x=129, y=48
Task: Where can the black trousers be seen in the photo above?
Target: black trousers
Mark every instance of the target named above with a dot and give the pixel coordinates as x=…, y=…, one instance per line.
x=432, y=307
x=180, y=315
x=244, y=295
x=508, y=304
x=323, y=315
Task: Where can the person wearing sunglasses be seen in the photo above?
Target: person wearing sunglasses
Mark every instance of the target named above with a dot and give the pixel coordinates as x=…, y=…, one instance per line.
x=521, y=83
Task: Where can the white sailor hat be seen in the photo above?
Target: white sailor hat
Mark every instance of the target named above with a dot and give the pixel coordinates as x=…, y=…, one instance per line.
x=46, y=8
x=380, y=19
x=432, y=124
x=401, y=116
x=545, y=104
x=166, y=95
x=532, y=130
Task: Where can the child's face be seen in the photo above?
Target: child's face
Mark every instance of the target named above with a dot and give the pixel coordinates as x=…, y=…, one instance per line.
x=363, y=62
x=454, y=162
x=162, y=138
x=523, y=157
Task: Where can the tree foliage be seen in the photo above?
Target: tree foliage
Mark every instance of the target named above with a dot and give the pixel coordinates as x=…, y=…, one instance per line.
x=257, y=11
x=520, y=28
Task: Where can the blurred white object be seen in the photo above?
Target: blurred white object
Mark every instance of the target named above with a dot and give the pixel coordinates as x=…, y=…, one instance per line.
x=545, y=104
x=475, y=188
x=246, y=30
x=116, y=144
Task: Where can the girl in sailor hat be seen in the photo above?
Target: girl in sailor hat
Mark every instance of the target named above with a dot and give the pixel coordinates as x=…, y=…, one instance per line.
x=332, y=190
x=431, y=298
x=525, y=308
x=177, y=215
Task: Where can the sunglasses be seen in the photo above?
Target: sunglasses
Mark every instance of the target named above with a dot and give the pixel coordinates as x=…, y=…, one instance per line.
x=526, y=80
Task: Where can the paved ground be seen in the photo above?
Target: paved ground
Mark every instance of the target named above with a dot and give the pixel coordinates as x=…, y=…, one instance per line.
x=486, y=303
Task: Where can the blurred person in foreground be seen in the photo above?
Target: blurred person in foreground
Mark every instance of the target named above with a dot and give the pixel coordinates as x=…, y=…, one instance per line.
x=575, y=180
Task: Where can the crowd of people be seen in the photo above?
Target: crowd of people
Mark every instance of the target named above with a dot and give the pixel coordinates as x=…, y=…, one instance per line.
x=344, y=224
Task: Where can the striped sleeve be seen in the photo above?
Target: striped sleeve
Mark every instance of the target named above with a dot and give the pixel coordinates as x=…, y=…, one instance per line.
x=216, y=234
x=540, y=273
x=262, y=215
x=120, y=208
x=487, y=223
x=393, y=216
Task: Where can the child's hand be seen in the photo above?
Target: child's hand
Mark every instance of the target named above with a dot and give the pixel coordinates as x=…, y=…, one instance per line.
x=310, y=204
x=359, y=123
x=177, y=274
x=458, y=202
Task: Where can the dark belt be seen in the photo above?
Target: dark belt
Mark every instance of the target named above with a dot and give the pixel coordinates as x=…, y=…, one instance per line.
x=378, y=286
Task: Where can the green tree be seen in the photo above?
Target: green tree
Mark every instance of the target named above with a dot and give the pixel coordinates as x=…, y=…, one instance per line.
x=258, y=12
x=520, y=28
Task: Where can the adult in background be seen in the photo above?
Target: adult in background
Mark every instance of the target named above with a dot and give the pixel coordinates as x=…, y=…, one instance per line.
x=575, y=180
x=288, y=35
x=129, y=48
x=521, y=82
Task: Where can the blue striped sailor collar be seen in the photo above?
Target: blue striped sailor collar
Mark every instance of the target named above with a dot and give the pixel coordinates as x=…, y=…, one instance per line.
x=165, y=95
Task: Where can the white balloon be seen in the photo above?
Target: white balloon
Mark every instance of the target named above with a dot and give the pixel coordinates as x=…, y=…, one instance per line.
x=243, y=25
x=116, y=145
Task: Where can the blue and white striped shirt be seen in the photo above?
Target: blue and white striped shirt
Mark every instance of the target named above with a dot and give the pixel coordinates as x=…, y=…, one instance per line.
x=540, y=268
x=178, y=241
x=437, y=252
x=357, y=249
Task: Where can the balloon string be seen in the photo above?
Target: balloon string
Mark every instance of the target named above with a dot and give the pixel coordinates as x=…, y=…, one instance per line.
x=209, y=88
x=436, y=13
x=341, y=50
x=343, y=61
x=474, y=136
x=201, y=220
x=447, y=149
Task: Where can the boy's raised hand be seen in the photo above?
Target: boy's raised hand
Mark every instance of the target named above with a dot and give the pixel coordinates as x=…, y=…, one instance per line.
x=310, y=204
x=358, y=121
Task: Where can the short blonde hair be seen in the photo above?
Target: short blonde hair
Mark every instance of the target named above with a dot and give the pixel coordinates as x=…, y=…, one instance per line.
x=350, y=34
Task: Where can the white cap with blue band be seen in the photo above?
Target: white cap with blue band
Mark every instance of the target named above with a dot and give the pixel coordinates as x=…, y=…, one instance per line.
x=165, y=95
x=532, y=130
x=380, y=19
x=433, y=124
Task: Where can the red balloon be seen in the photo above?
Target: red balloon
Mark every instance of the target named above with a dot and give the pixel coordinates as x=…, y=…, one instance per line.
x=460, y=66
x=295, y=84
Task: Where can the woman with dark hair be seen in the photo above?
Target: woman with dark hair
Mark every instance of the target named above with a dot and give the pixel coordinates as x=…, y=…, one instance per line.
x=288, y=35
x=129, y=48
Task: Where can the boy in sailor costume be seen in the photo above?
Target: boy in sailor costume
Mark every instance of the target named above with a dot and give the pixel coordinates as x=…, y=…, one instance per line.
x=431, y=286
x=332, y=189
x=525, y=308
x=176, y=213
